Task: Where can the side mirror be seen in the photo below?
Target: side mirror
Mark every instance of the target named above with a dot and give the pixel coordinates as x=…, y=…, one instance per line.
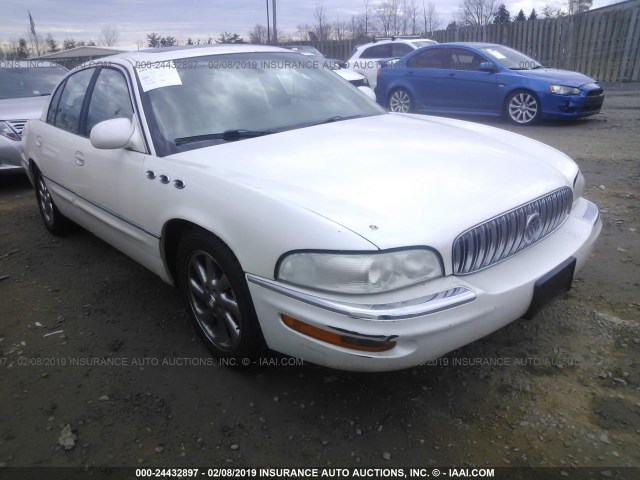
x=112, y=134
x=487, y=67
x=368, y=92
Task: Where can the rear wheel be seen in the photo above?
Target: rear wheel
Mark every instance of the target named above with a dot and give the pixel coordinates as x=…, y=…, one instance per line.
x=522, y=108
x=400, y=101
x=217, y=297
x=55, y=222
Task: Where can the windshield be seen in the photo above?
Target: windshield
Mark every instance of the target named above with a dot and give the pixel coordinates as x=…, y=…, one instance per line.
x=198, y=102
x=511, y=58
x=24, y=81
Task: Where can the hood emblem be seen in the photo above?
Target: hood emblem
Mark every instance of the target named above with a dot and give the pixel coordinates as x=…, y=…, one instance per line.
x=533, y=227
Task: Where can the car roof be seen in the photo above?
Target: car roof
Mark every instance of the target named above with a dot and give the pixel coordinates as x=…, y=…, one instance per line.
x=394, y=40
x=469, y=44
x=190, y=51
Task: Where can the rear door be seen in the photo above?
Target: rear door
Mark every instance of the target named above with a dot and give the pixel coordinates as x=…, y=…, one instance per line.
x=57, y=139
x=427, y=78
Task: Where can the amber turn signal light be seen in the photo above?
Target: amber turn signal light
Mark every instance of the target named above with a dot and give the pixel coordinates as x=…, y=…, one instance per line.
x=345, y=341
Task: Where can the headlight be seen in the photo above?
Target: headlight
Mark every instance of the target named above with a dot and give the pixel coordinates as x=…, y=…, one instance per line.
x=7, y=131
x=578, y=186
x=359, y=273
x=562, y=90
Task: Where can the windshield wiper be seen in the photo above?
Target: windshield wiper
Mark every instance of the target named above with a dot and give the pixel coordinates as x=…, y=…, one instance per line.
x=338, y=118
x=227, y=135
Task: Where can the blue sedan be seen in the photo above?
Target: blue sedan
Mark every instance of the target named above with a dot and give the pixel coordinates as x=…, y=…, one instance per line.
x=486, y=79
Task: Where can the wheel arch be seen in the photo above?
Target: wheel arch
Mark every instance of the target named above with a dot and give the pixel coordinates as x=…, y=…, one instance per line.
x=172, y=233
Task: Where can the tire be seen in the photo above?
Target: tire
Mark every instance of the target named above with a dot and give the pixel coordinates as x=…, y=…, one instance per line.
x=217, y=297
x=55, y=222
x=522, y=108
x=400, y=101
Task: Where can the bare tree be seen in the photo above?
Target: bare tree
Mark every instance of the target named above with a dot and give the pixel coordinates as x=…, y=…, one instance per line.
x=477, y=12
x=577, y=6
x=340, y=29
x=431, y=20
x=258, y=34
x=322, y=26
x=412, y=13
x=304, y=32
x=389, y=16
x=109, y=36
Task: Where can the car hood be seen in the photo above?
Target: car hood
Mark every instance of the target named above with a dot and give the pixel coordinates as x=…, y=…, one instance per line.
x=562, y=77
x=24, y=108
x=393, y=179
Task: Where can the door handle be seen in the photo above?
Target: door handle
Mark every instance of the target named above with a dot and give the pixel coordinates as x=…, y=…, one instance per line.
x=452, y=74
x=38, y=141
x=79, y=158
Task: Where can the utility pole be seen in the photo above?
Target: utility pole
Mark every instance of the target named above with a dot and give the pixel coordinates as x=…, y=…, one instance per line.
x=268, y=27
x=275, y=30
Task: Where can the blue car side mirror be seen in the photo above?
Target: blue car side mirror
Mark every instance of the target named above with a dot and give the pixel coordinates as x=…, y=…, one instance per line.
x=487, y=67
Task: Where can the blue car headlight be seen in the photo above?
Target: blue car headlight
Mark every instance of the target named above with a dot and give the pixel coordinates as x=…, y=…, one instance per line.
x=564, y=90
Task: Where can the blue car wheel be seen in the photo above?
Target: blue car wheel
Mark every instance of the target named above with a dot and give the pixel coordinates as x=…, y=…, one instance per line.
x=522, y=108
x=400, y=101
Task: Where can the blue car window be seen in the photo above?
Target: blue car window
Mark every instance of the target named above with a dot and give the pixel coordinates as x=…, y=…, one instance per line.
x=433, y=58
x=461, y=59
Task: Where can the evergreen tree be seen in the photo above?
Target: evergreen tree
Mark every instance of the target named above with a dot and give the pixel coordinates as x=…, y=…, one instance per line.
x=52, y=45
x=534, y=15
x=502, y=15
x=22, y=53
x=521, y=17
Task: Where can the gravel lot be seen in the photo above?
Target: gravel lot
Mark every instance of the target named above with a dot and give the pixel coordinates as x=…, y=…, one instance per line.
x=137, y=388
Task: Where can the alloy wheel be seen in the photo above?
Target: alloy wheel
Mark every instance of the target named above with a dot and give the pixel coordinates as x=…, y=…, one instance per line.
x=213, y=301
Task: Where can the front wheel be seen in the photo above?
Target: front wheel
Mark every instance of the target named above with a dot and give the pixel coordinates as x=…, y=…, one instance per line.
x=217, y=297
x=523, y=108
x=400, y=101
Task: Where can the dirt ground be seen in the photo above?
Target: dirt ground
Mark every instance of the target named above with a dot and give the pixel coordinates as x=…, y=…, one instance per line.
x=561, y=390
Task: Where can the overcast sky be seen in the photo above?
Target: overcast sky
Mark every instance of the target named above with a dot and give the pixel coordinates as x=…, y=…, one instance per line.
x=134, y=19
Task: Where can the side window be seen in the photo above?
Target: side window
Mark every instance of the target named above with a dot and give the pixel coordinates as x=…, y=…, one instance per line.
x=465, y=60
x=69, y=108
x=377, y=51
x=53, y=105
x=427, y=59
x=110, y=99
x=400, y=49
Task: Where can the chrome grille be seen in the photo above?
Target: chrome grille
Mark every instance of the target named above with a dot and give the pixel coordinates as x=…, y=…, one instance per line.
x=499, y=238
x=17, y=126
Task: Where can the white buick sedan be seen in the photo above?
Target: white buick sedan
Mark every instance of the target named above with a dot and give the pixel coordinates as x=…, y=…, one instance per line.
x=294, y=213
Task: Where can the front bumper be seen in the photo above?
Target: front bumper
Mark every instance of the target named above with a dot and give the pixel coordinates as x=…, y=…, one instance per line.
x=424, y=321
x=572, y=106
x=10, y=152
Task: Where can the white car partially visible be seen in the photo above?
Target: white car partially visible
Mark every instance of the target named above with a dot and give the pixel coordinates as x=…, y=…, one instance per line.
x=24, y=90
x=293, y=212
x=365, y=59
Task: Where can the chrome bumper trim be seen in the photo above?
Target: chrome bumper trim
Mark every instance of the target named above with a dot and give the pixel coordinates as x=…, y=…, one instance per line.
x=417, y=307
